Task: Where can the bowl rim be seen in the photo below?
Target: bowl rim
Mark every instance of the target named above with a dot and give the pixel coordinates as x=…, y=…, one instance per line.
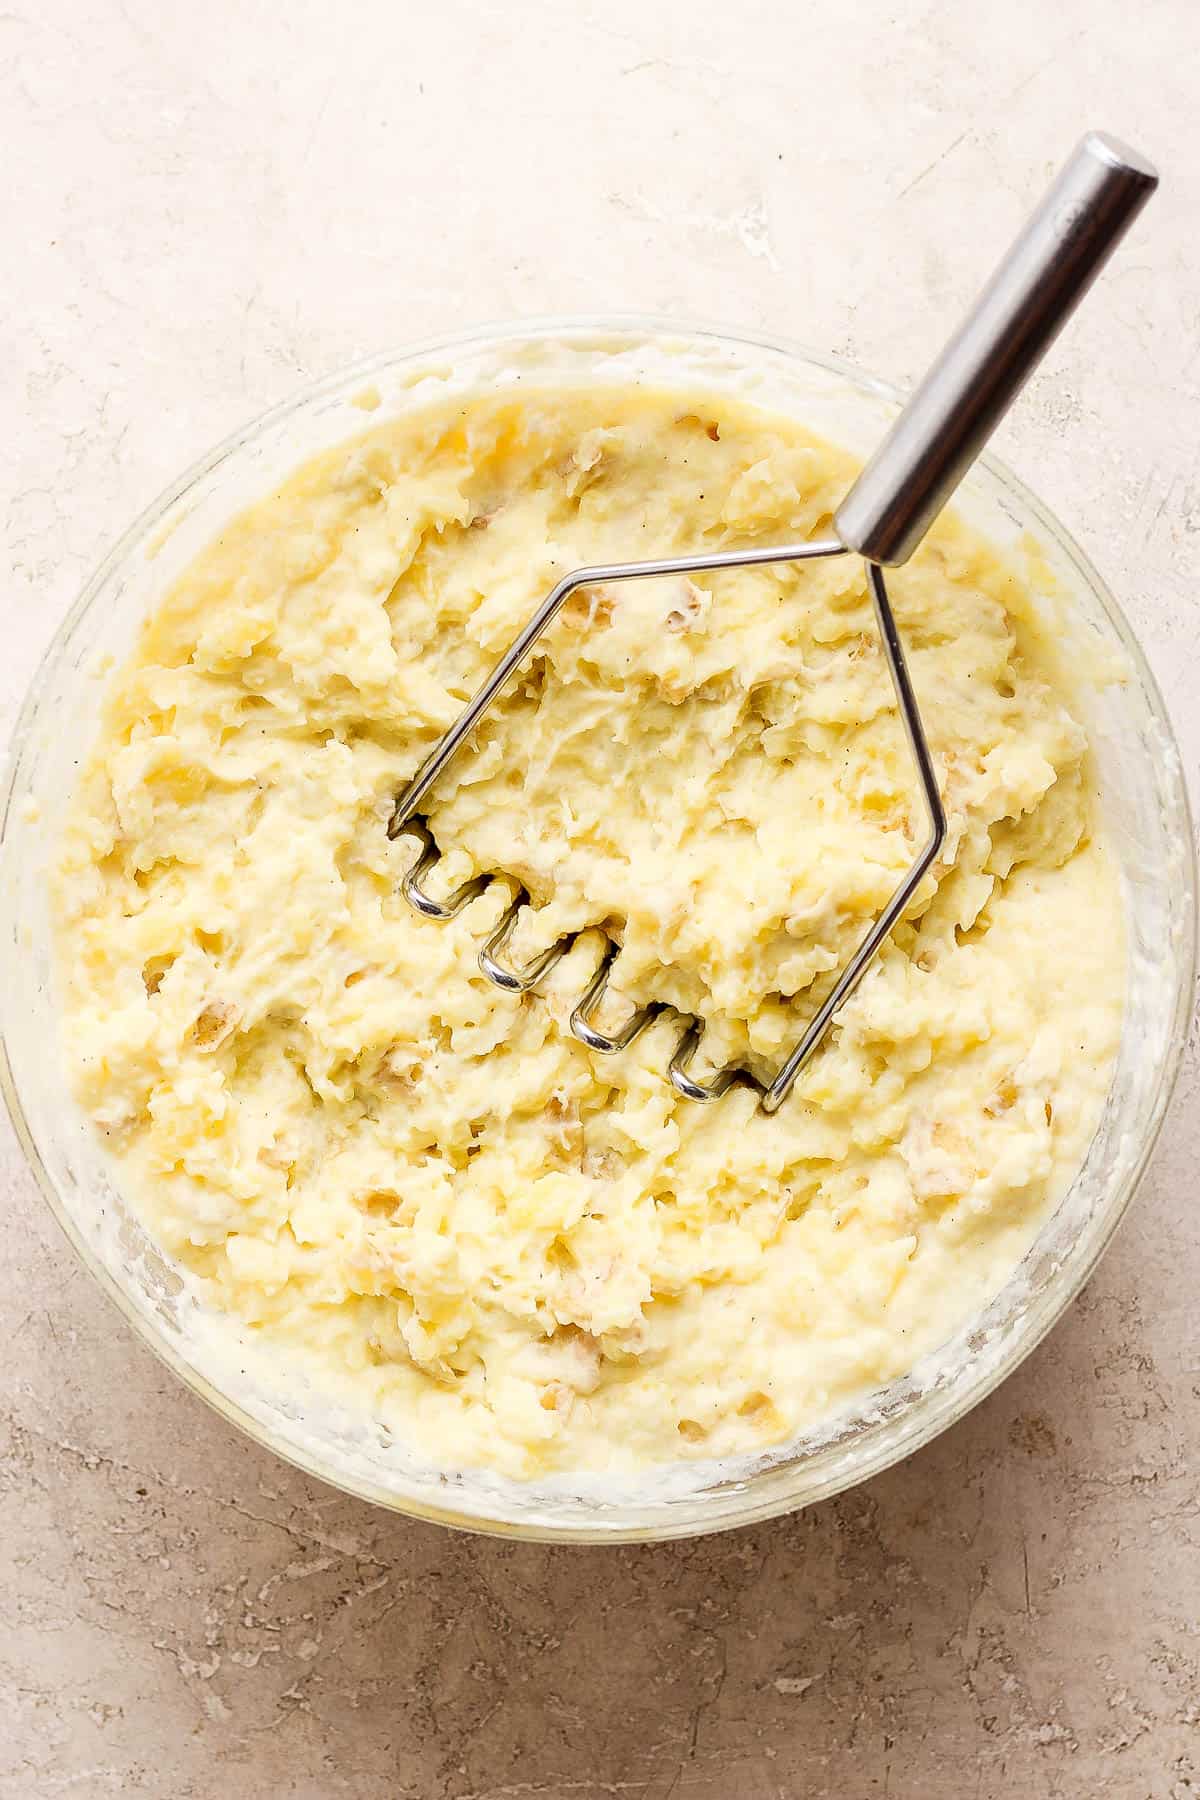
x=943, y=1408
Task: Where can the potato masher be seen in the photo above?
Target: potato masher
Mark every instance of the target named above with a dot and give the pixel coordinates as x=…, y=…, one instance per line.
x=883, y=519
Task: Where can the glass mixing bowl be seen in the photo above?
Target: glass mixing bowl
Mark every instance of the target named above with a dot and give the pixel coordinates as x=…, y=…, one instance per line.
x=1144, y=802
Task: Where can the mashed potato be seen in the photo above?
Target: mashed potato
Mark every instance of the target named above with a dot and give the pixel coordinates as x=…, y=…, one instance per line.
x=427, y=1193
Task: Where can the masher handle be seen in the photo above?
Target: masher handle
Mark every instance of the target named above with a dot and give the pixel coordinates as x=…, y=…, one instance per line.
x=1020, y=312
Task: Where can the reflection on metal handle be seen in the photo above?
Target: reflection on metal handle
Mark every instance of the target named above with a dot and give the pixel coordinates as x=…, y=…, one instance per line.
x=984, y=366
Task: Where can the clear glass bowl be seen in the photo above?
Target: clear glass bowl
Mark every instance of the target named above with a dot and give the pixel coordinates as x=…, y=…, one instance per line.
x=1144, y=802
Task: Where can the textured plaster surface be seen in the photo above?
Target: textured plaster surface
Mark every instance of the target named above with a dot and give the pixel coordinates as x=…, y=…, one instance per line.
x=207, y=205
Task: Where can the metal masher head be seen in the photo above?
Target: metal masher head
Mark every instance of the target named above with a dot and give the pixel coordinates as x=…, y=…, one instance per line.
x=883, y=519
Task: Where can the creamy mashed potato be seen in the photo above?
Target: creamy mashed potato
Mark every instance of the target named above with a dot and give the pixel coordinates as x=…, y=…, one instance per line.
x=518, y=1253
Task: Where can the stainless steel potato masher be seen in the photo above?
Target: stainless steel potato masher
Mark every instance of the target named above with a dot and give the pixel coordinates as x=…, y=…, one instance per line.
x=883, y=519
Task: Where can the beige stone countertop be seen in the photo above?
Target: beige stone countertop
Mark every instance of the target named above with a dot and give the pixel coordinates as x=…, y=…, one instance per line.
x=208, y=205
